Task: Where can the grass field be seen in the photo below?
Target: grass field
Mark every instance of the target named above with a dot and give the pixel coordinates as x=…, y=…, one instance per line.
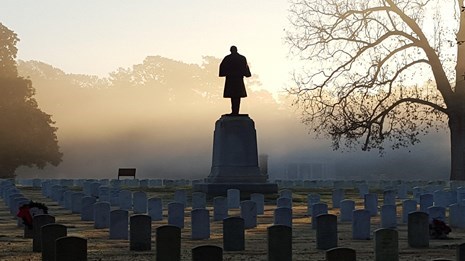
x=14, y=247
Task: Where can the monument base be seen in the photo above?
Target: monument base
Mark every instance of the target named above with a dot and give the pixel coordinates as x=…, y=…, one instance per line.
x=235, y=159
x=220, y=189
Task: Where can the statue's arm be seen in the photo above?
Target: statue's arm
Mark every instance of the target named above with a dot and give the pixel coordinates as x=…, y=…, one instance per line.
x=247, y=70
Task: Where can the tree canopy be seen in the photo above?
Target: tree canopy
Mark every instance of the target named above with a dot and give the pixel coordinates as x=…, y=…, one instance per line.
x=382, y=70
x=27, y=134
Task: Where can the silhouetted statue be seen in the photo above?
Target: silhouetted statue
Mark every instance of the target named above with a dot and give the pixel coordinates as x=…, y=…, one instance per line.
x=234, y=67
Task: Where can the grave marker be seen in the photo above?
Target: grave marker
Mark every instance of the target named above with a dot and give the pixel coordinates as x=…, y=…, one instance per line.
x=155, y=209
x=125, y=200
x=200, y=224
x=176, y=214
x=279, y=243
x=312, y=198
x=389, y=197
x=341, y=254
x=140, y=233
x=457, y=215
x=408, y=205
x=76, y=202
x=180, y=196
x=37, y=222
x=318, y=209
x=168, y=243
x=285, y=193
x=347, y=207
x=326, y=231
x=284, y=203
x=234, y=198
x=460, y=252
x=207, y=253
x=249, y=213
x=119, y=224
x=436, y=213
x=259, y=200
x=139, y=202
x=361, y=224
x=426, y=201
x=87, y=208
x=220, y=208
x=371, y=203
x=71, y=249
x=50, y=233
x=104, y=193
x=233, y=234
x=418, y=229
x=337, y=196
x=388, y=216
x=283, y=216
x=101, y=215
x=386, y=244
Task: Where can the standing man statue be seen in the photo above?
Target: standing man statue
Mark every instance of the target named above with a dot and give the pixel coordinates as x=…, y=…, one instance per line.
x=234, y=67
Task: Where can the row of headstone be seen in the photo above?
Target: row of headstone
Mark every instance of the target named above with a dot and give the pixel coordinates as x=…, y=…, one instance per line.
x=401, y=187
x=116, y=183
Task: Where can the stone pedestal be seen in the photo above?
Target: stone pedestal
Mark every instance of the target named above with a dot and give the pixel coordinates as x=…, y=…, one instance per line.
x=235, y=159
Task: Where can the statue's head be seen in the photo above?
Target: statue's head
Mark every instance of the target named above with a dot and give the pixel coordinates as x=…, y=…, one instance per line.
x=233, y=49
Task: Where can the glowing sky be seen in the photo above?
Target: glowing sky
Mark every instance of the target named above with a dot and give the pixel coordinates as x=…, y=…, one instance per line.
x=97, y=37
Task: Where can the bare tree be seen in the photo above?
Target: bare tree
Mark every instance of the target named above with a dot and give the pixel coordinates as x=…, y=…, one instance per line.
x=381, y=71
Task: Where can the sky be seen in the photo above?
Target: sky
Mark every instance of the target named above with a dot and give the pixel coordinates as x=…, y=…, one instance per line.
x=113, y=34
x=98, y=37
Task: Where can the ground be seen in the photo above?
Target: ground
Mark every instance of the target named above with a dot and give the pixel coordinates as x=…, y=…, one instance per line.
x=14, y=247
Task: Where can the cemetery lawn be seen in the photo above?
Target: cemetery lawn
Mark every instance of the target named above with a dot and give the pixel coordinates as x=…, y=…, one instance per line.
x=14, y=247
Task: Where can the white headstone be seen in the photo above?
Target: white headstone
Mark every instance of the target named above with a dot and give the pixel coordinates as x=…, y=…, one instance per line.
x=386, y=244
x=234, y=198
x=176, y=214
x=371, y=203
x=361, y=224
x=389, y=197
x=408, y=205
x=441, y=198
x=426, y=201
x=199, y=200
x=259, y=200
x=388, y=216
x=220, y=208
x=119, y=222
x=125, y=200
x=418, y=233
x=76, y=202
x=104, y=193
x=283, y=216
x=347, y=207
x=155, y=208
x=312, y=198
x=285, y=193
x=438, y=213
x=326, y=231
x=318, y=209
x=200, y=223
x=284, y=202
x=457, y=215
x=139, y=202
x=337, y=197
x=249, y=213
x=101, y=215
x=87, y=208
x=181, y=197
x=362, y=190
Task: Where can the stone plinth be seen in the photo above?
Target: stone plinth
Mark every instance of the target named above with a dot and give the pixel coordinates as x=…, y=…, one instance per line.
x=235, y=159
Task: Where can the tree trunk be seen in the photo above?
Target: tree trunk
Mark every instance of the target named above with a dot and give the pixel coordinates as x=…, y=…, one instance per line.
x=457, y=145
